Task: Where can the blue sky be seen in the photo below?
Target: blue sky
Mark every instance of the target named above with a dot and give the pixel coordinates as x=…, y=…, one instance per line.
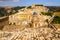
x=29, y=2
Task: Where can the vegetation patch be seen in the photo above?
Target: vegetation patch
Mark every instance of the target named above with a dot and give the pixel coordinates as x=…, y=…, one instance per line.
x=49, y=13
x=56, y=20
x=57, y=14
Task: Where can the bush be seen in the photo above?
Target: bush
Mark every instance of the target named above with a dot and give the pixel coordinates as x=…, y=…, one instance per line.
x=48, y=13
x=56, y=20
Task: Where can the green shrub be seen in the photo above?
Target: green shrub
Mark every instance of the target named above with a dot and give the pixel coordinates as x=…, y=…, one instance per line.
x=56, y=20
x=48, y=13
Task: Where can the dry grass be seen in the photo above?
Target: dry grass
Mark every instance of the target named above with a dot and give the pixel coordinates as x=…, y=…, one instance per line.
x=57, y=13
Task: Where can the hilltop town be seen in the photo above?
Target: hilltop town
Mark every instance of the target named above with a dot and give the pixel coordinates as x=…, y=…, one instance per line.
x=36, y=22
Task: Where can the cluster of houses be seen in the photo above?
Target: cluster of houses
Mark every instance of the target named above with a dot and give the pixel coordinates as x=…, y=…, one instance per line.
x=30, y=15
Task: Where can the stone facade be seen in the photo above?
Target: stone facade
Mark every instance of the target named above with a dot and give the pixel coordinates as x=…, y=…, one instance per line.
x=30, y=15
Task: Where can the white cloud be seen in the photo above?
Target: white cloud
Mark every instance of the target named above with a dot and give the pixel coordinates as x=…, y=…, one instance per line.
x=1, y=1
x=9, y=0
x=15, y=0
x=4, y=0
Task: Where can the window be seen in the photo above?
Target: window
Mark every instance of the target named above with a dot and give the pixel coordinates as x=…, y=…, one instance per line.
x=34, y=13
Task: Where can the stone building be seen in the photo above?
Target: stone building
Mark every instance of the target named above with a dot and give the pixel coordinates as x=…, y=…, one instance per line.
x=30, y=15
